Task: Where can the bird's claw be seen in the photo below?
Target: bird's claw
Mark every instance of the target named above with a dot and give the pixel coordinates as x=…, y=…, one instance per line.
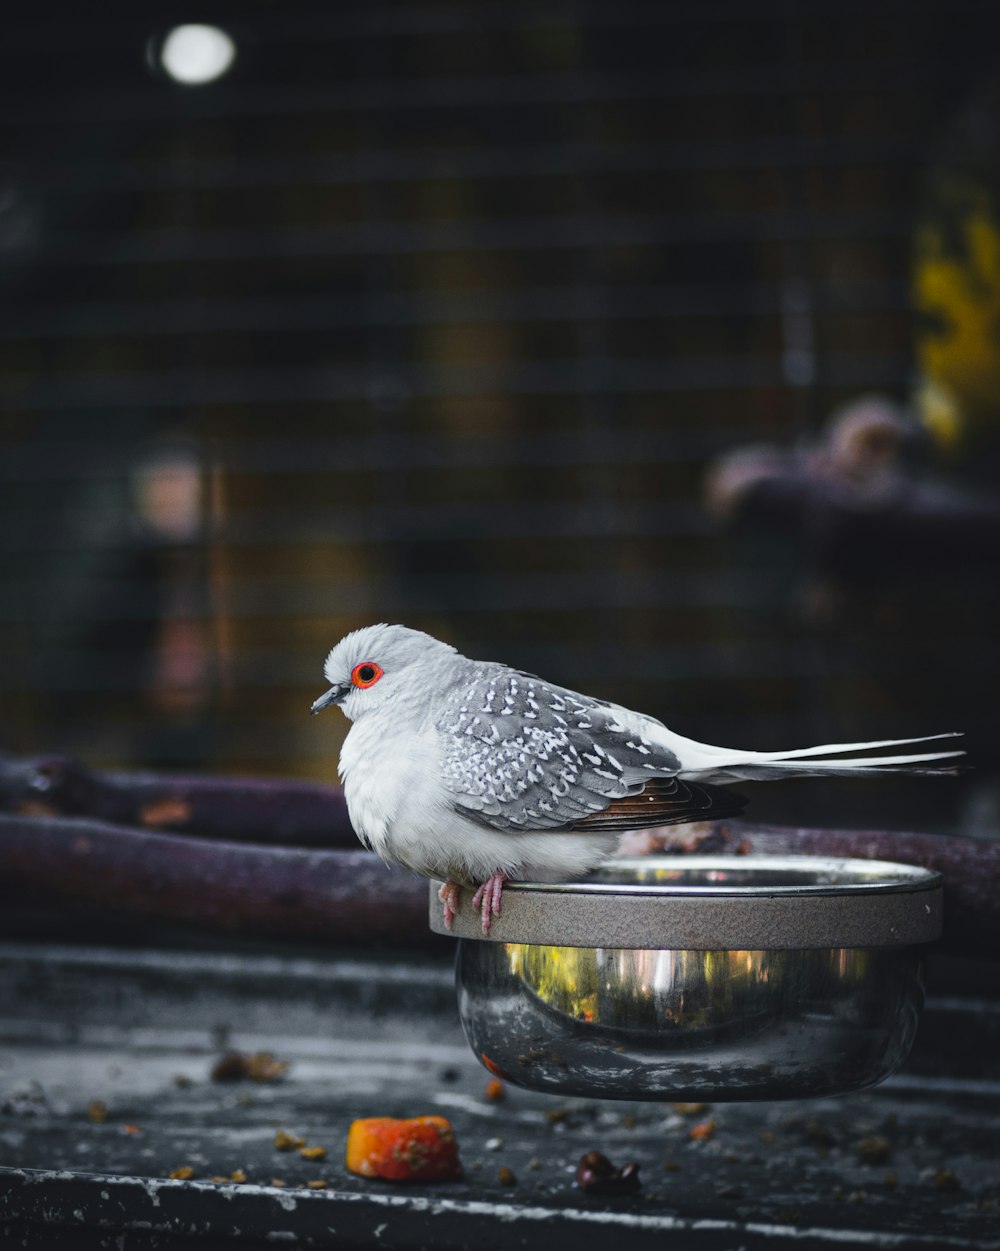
x=449, y=895
x=487, y=899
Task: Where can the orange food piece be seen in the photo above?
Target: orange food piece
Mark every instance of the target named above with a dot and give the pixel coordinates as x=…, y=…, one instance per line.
x=418, y=1148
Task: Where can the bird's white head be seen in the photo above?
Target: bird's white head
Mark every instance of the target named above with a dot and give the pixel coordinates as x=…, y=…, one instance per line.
x=383, y=666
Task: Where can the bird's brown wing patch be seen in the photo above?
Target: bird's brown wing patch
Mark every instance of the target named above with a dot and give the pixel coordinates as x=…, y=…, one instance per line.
x=664, y=801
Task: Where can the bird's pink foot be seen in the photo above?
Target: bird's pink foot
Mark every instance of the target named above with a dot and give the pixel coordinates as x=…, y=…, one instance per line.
x=487, y=899
x=449, y=896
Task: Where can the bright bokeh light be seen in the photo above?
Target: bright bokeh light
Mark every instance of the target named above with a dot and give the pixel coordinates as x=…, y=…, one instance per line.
x=196, y=54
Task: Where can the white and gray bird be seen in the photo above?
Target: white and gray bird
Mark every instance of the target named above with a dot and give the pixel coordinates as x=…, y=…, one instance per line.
x=478, y=774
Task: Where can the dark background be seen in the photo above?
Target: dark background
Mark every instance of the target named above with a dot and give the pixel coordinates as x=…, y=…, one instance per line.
x=442, y=313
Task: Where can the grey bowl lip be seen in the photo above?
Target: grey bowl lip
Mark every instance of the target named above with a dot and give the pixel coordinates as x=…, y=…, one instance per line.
x=880, y=904
x=855, y=876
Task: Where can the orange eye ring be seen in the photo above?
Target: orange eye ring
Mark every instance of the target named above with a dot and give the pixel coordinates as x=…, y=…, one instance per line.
x=366, y=674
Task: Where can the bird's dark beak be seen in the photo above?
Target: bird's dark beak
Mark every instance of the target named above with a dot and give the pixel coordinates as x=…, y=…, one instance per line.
x=333, y=697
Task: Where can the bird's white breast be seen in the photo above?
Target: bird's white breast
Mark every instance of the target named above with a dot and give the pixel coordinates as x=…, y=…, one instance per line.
x=390, y=784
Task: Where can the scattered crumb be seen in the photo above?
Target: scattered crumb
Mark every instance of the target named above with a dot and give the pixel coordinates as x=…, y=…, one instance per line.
x=317, y=1183
x=97, y=1111
x=278, y=1181
x=690, y=1109
x=238, y=1175
x=219, y=1180
x=595, y=1174
x=313, y=1153
x=702, y=1132
x=818, y=1134
x=284, y=1141
x=874, y=1150
x=132, y=1130
x=495, y=1090
x=506, y=1176
x=534, y=1164
x=555, y=1115
x=234, y=1066
x=945, y=1179
x=184, y=1173
x=493, y=1144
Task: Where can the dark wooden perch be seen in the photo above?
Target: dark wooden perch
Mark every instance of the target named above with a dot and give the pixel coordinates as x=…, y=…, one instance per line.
x=292, y=893
x=194, y=850
x=250, y=810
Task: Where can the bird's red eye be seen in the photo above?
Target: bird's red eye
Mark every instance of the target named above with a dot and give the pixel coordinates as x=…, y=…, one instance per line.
x=366, y=674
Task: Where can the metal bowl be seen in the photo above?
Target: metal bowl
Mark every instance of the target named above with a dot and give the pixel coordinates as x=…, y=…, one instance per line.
x=700, y=978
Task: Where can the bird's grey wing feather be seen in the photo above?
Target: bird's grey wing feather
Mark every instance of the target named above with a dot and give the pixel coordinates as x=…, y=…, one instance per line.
x=520, y=754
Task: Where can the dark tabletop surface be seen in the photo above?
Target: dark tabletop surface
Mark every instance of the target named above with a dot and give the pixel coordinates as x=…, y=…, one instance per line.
x=105, y=1089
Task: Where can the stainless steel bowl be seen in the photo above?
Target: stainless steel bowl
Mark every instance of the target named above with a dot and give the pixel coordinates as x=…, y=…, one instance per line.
x=700, y=978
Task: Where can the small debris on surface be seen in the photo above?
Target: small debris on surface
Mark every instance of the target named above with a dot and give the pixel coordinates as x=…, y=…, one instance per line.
x=133, y=1131
x=595, y=1174
x=818, y=1134
x=184, y=1173
x=238, y=1175
x=945, y=1179
x=236, y=1066
x=534, y=1164
x=495, y=1090
x=278, y=1181
x=556, y=1116
x=629, y=1121
x=418, y=1148
x=283, y=1141
x=874, y=1149
x=689, y=1109
x=702, y=1132
x=316, y=1184
x=313, y=1153
x=97, y=1111
x=671, y=1166
x=493, y=1144
x=506, y=1176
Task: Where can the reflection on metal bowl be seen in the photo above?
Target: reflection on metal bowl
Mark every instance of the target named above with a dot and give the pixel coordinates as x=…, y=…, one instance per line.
x=675, y=1015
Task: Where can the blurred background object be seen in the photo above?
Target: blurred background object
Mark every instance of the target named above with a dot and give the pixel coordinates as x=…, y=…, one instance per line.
x=454, y=315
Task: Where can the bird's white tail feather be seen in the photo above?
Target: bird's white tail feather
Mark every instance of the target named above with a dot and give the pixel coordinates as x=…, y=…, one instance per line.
x=838, y=749
x=706, y=763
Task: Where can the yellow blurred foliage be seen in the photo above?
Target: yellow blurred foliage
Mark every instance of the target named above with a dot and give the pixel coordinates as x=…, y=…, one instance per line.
x=958, y=345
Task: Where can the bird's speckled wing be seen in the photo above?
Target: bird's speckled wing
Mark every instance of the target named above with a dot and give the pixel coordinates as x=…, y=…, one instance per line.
x=520, y=754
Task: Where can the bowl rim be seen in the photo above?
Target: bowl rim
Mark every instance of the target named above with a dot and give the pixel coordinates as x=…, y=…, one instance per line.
x=856, y=875
x=900, y=906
